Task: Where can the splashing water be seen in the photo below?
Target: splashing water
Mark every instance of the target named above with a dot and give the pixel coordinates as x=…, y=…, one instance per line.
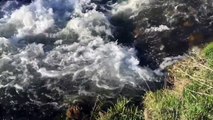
x=53, y=49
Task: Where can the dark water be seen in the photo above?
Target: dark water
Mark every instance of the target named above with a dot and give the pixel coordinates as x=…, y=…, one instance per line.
x=56, y=51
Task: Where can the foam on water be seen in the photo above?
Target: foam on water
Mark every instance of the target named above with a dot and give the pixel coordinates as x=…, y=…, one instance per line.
x=157, y=29
x=37, y=17
x=78, y=58
x=130, y=7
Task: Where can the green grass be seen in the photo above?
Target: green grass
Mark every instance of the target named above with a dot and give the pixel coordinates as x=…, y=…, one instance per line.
x=190, y=101
x=208, y=51
x=162, y=105
x=196, y=104
x=120, y=111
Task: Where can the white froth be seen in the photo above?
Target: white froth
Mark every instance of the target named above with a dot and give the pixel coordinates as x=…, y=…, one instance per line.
x=32, y=19
x=168, y=61
x=5, y=45
x=157, y=29
x=92, y=22
x=129, y=7
x=18, y=87
x=38, y=16
x=79, y=52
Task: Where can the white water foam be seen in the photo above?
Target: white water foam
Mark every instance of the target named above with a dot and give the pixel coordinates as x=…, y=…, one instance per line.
x=78, y=53
x=158, y=29
x=130, y=7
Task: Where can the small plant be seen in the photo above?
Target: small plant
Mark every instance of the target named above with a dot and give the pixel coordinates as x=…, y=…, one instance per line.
x=120, y=111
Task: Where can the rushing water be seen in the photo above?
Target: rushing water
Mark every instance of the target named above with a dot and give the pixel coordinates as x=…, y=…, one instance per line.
x=54, y=50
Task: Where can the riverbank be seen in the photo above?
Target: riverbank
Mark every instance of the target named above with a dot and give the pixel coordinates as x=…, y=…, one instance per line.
x=190, y=96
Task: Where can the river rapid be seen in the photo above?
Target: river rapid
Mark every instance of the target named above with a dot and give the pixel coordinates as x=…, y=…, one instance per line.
x=53, y=51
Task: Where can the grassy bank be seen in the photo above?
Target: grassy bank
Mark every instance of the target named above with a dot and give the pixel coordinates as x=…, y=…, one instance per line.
x=190, y=97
